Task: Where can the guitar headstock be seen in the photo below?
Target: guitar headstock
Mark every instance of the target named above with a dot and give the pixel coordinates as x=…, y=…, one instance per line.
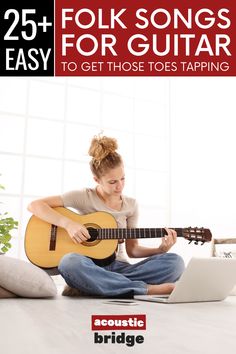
x=197, y=234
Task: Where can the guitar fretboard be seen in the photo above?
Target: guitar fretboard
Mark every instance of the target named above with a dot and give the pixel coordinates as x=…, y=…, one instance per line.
x=108, y=234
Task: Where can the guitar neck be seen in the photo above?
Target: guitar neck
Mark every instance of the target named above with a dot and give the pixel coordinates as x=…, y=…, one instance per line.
x=132, y=233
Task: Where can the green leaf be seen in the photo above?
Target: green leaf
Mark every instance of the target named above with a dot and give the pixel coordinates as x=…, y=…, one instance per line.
x=4, y=249
x=5, y=238
x=8, y=245
x=7, y=224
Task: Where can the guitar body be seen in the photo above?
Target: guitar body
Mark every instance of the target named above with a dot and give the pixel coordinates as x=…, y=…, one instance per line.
x=38, y=236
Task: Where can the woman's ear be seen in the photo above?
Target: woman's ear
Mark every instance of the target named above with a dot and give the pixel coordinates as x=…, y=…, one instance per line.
x=96, y=179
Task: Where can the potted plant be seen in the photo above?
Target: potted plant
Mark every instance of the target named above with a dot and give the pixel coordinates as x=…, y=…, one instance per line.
x=7, y=224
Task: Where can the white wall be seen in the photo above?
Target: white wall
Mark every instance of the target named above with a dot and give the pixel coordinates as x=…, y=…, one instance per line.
x=203, y=146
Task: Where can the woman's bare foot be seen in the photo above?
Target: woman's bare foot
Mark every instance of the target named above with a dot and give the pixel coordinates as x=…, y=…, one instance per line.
x=68, y=291
x=160, y=289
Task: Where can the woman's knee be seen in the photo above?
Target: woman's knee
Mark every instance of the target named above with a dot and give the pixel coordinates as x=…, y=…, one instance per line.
x=72, y=261
x=176, y=265
x=171, y=265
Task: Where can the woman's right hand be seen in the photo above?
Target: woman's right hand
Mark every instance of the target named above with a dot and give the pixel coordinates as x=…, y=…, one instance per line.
x=77, y=232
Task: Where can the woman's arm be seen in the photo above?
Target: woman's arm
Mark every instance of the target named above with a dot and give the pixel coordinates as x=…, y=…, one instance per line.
x=44, y=209
x=134, y=250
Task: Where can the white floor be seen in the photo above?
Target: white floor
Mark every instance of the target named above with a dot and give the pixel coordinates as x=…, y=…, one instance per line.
x=63, y=325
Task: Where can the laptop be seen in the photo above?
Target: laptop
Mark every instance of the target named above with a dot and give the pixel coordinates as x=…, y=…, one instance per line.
x=204, y=279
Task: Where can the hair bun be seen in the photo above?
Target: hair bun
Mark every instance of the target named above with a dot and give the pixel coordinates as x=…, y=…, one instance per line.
x=101, y=146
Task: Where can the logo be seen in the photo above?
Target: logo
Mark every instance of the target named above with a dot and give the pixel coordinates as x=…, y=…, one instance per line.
x=118, y=322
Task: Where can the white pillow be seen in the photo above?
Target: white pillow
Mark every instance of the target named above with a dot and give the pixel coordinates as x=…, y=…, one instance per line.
x=233, y=291
x=25, y=279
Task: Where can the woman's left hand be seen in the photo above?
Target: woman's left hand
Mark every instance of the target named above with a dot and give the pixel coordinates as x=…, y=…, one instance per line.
x=168, y=241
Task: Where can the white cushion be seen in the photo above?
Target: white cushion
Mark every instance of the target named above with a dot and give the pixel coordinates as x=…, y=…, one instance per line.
x=233, y=291
x=25, y=279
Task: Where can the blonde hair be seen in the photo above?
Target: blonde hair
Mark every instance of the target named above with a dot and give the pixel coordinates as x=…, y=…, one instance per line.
x=104, y=156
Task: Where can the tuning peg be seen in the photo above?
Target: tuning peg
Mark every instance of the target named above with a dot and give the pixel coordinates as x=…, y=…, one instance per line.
x=190, y=241
x=202, y=243
x=196, y=242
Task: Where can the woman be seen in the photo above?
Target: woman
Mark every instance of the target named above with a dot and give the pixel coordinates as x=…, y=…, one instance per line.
x=154, y=275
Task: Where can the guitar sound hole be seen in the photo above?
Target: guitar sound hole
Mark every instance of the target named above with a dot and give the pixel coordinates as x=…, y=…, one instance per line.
x=93, y=233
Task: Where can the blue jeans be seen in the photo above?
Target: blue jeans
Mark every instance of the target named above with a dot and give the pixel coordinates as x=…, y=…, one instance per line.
x=119, y=277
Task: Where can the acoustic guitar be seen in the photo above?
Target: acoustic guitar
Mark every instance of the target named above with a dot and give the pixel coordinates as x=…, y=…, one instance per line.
x=46, y=244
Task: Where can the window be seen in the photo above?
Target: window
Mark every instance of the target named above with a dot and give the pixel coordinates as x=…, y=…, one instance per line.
x=46, y=127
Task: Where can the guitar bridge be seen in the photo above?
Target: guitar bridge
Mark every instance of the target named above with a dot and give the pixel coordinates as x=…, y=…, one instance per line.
x=53, y=238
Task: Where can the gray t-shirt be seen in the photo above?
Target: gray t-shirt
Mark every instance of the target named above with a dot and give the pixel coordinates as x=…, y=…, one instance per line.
x=86, y=201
